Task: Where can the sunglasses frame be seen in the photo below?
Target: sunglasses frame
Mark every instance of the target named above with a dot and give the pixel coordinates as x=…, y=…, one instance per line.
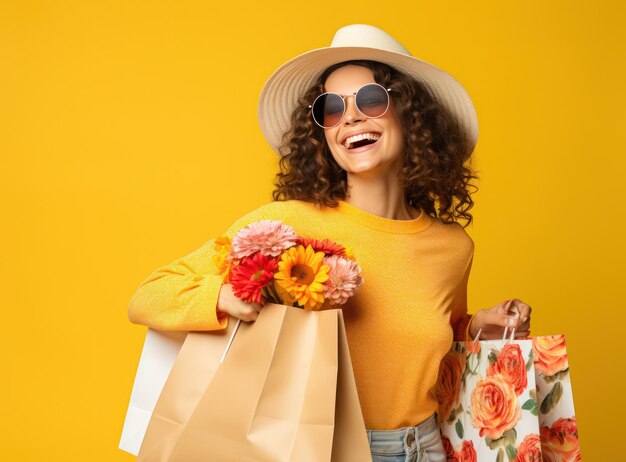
x=343, y=100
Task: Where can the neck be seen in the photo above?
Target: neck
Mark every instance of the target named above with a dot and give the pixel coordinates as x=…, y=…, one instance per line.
x=379, y=195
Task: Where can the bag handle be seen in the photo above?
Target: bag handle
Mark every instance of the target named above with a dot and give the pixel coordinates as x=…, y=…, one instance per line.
x=230, y=340
x=506, y=328
x=504, y=335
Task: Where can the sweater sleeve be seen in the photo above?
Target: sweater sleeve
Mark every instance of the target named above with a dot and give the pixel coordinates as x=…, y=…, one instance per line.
x=460, y=318
x=183, y=295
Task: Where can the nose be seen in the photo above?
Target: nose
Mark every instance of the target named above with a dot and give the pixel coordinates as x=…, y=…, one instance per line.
x=352, y=113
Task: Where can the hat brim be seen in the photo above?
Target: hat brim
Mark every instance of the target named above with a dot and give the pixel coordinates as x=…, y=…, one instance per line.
x=282, y=90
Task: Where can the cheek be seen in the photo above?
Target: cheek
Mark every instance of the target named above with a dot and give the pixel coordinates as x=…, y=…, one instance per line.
x=330, y=135
x=400, y=135
x=327, y=137
x=396, y=145
x=394, y=129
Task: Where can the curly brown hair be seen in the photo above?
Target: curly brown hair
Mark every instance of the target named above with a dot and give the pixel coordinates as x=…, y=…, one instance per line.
x=435, y=175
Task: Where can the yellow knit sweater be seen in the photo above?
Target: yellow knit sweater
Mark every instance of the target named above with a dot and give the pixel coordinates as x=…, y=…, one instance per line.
x=400, y=323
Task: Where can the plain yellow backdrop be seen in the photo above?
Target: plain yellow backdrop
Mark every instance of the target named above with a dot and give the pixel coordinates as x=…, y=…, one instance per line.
x=128, y=137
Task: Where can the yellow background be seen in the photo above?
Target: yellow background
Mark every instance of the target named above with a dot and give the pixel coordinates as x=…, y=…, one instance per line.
x=128, y=137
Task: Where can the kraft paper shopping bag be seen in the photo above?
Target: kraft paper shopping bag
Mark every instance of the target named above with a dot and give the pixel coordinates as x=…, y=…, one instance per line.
x=196, y=362
x=274, y=398
x=350, y=442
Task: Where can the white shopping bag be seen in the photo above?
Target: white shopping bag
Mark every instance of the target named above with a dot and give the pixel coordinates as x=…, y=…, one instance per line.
x=157, y=358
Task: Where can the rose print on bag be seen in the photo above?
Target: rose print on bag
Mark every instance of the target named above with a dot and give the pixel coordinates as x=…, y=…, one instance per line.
x=451, y=456
x=447, y=447
x=472, y=347
x=495, y=408
x=550, y=354
x=529, y=449
x=510, y=410
x=552, y=366
x=511, y=366
x=466, y=454
x=560, y=441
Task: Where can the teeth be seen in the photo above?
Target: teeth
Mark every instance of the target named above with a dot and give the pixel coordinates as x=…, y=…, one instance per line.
x=362, y=136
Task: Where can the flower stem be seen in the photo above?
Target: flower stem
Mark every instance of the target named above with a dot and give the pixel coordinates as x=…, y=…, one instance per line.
x=273, y=295
x=266, y=294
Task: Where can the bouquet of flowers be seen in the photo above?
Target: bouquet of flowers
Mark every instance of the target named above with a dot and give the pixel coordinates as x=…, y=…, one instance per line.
x=267, y=261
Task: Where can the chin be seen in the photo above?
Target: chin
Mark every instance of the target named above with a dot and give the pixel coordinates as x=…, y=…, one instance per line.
x=361, y=168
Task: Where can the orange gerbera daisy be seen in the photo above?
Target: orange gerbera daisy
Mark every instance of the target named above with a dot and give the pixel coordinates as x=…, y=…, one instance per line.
x=221, y=248
x=300, y=274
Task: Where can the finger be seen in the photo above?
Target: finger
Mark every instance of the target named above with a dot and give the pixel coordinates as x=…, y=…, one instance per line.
x=248, y=311
x=524, y=310
x=524, y=322
x=513, y=309
x=511, y=320
x=496, y=315
x=521, y=324
x=502, y=308
x=502, y=318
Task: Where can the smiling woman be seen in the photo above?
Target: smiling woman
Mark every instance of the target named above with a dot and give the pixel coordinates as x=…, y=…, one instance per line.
x=373, y=145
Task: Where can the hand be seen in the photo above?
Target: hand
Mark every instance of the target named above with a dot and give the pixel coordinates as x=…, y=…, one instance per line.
x=229, y=303
x=491, y=322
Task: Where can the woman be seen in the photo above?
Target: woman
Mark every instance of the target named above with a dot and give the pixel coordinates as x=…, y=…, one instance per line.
x=373, y=145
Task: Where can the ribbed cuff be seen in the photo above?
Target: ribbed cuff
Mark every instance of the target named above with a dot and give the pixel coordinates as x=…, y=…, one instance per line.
x=210, y=292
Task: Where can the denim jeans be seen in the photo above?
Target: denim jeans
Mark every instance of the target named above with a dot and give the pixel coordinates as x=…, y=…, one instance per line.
x=421, y=443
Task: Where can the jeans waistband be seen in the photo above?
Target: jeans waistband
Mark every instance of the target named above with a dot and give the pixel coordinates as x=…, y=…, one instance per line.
x=408, y=438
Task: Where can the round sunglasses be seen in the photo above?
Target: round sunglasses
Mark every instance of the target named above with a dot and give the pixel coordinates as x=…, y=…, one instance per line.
x=372, y=100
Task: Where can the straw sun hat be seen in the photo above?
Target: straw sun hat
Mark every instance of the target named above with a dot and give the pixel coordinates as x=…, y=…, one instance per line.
x=280, y=94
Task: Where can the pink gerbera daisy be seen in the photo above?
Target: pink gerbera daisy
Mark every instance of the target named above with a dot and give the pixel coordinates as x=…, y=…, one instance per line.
x=270, y=238
x=251, y=276
x=344, y=279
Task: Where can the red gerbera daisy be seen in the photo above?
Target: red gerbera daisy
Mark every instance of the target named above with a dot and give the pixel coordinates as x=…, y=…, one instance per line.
x=251, y=276
x=325, y=245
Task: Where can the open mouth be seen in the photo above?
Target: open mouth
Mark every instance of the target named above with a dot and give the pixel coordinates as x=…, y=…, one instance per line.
x=360, y=140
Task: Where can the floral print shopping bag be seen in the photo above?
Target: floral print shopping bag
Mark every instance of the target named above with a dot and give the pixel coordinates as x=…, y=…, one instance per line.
x=507, y=401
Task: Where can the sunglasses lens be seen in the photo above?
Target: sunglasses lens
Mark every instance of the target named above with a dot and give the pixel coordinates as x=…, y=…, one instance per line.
x=328, y=110
x=372, y=100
